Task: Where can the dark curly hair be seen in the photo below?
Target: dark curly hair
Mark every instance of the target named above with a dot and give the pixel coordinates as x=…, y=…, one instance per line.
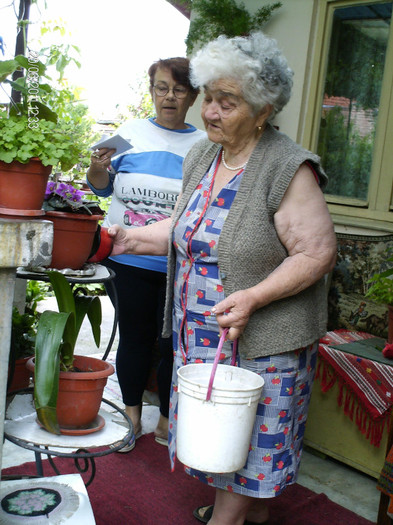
x=179, y=68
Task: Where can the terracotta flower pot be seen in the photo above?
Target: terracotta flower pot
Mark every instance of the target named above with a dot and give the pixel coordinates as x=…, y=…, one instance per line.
x=73, y=236
x=80, y=393
x=21, y=375
x=23, y=186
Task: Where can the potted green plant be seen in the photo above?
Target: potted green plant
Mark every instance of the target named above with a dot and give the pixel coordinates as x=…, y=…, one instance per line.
x=381, y=291
x=227, y=17
x=32, y=138
x=57, y=371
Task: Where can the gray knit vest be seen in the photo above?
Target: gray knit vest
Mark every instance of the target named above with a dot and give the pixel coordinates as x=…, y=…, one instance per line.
x=249, y=248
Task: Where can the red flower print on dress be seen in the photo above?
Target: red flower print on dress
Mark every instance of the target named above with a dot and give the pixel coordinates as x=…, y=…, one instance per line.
x=267, y=458
x=205, y=341
x=267, y=400
x=243, y=481
x=200, y=294
x=208, y=222
x=203, y=270
x=219, y=288
x=198, y=361
x=271, y=368
x=212, y=243
x=206, y=313
x=261, y=476
x=229, y=488
x=190, y=331
x=282, y=413
x=263, y=428
x=220, y=201
x=280, y=464
x=276, y=380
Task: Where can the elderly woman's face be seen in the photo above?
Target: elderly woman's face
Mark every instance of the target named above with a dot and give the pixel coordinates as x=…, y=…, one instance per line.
x=227, y=116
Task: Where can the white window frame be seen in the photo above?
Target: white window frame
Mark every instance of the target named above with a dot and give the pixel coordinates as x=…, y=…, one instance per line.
x=377, y=212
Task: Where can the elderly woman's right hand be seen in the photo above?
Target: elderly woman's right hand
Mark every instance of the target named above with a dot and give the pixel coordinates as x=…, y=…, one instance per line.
x=119, y=238
x=101, y=158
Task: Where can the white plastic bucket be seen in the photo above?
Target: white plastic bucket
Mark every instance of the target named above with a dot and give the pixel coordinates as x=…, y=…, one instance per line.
x=215, y=435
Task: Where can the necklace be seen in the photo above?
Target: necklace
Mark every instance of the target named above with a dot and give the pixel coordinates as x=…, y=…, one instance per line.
x=229, y=167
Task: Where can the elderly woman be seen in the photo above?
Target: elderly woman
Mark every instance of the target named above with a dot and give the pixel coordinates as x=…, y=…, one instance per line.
x=249, y=244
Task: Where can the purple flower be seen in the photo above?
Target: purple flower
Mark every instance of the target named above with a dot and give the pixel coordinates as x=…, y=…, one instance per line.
x=67, y=191
x=50, y=188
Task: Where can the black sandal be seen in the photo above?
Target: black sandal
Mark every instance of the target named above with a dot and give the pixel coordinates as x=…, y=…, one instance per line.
x=206, y=515
x=209, y=512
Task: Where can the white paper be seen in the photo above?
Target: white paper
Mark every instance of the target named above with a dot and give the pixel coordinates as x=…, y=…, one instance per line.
x=117, y=142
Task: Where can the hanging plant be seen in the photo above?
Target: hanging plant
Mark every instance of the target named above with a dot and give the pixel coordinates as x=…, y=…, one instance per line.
x=226, y=17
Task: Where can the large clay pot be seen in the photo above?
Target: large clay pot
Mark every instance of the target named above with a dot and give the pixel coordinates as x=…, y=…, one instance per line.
x=73, y=236
x=80, y=393
x=23, y=186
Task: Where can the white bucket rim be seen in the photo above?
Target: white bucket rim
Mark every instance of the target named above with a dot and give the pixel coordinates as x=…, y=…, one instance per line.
x=220, y=367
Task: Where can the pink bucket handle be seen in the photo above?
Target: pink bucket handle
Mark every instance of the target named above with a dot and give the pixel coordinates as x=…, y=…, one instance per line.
x=216, y=359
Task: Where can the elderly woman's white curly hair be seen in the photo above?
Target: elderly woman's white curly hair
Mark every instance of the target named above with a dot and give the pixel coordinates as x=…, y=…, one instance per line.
x=255, y=62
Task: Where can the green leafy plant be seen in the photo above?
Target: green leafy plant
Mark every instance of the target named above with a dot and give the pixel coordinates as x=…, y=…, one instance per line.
x=53, y=147
x=226, y=17
x=381, y=289
x=49, y=123
x=22, y=335
x=57, y=334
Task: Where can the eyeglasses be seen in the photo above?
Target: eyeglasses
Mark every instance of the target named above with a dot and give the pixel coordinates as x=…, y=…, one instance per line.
x=162, y=89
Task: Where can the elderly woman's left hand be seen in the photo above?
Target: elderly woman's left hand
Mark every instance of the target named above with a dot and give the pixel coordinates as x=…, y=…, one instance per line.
x=234, y=312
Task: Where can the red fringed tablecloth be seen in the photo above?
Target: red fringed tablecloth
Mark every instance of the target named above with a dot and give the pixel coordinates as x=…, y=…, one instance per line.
x=365, y=386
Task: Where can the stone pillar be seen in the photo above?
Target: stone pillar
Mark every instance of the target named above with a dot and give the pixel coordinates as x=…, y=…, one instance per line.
x=22, y=243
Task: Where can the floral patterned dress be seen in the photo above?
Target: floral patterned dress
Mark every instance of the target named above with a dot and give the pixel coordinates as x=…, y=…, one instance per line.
x=276, y=443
